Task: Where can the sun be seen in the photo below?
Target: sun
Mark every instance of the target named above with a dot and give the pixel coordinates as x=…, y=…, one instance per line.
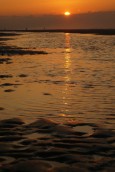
x=67, y=13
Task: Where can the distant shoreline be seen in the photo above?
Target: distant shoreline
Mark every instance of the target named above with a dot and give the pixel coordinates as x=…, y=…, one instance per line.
x=82, y=31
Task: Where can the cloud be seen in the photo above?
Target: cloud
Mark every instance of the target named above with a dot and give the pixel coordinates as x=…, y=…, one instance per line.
x=76, y=21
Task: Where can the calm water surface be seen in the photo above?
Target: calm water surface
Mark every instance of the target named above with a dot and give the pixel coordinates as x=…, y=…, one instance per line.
x=73, y=82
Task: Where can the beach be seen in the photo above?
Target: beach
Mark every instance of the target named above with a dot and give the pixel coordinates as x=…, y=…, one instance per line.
x=57, y=102
x=49, y=146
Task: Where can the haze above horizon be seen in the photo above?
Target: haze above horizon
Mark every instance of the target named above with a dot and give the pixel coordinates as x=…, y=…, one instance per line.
x=37, y=7
x=37, y=14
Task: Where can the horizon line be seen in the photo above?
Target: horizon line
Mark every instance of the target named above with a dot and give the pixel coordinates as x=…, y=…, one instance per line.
x=52, y=14
x=102, y=31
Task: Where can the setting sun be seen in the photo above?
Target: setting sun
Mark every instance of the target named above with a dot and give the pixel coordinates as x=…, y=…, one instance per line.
x=67, y=13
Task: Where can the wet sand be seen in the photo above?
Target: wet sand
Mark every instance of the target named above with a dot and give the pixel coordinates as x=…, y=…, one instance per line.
x=13, y=50
x=48, y=146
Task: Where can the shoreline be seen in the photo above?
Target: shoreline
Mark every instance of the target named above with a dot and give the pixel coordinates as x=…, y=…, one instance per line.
x=82, y=31
x=7, y=50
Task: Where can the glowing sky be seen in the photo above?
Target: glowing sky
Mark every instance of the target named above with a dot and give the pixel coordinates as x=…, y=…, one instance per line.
x=35, y=7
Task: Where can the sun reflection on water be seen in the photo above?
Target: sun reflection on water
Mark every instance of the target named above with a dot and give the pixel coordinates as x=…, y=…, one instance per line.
x=67, y=78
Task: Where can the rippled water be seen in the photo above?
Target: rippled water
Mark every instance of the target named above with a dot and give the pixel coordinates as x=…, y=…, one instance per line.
x=73, y=82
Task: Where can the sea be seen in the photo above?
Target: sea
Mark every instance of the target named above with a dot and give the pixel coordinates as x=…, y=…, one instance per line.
x=73, y=81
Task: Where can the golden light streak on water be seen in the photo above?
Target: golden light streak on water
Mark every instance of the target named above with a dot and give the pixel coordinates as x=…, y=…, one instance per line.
x=67, y=66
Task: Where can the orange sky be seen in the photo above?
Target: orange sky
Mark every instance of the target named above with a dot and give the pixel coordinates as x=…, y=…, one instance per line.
x=34, y=7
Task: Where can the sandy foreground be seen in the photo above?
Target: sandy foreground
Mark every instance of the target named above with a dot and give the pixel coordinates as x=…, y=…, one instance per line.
x=48, y=146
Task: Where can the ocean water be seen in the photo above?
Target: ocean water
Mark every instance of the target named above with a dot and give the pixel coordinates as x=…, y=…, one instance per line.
x=75, y=81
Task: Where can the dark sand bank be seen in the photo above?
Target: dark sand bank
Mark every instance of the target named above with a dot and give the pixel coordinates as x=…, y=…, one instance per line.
x=82, y=31
x=7, y=34
x=4, y=36
x=13, y=50
x=5, y=60
x=47, y=146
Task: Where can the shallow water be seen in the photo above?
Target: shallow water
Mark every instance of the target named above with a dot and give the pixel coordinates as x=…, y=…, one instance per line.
x=73, y=82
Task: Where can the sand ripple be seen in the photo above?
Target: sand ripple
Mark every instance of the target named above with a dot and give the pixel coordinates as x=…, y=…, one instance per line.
x=47, y=146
